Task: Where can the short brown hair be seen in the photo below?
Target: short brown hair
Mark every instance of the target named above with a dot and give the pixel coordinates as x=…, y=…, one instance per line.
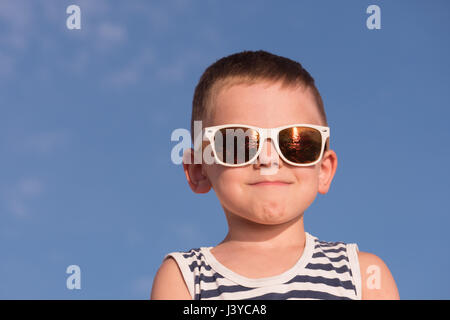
x=251, y=67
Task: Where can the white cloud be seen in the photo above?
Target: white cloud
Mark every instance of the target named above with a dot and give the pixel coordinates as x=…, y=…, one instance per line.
x=17, y=17
x=178, y=68
x=79, y=62
x=109, y=35
x=17, y=207
x=127, y=76
x=22, y=24
x=17, y=141
x=30, y=187
x=95, y=8
x=111, y=32
x=45, y=142
x=17, y=196
x=160, y=14
x=132, y=72
x=101, y=36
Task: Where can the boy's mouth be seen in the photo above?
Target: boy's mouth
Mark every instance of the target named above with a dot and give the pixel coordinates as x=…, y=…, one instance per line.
x=270, y=183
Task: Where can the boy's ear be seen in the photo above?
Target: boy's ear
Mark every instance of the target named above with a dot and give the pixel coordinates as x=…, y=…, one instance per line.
x=328, y=167
x=198, y=182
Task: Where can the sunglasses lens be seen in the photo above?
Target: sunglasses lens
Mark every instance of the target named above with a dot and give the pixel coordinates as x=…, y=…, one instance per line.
x=236, y=145
x=300, y=145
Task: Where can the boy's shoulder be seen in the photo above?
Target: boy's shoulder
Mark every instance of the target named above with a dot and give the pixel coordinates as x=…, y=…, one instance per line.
x=376, y=278
x=169, y=282
x=176, y=275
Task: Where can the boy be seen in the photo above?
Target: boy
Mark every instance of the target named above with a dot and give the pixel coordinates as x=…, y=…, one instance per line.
x=264, y=190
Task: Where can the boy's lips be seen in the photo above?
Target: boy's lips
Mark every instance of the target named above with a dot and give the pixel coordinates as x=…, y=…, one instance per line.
x=270, y=183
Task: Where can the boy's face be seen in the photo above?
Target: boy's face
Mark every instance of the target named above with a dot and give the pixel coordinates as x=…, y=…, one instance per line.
x=264, y=105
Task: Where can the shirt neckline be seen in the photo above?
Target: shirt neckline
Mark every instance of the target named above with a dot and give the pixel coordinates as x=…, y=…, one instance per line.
x=266, y=281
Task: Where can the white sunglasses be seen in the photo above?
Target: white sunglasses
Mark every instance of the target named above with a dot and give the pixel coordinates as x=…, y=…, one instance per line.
x=297, y=144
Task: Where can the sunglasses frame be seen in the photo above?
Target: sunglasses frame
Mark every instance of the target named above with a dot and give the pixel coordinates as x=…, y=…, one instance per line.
x=264, y=134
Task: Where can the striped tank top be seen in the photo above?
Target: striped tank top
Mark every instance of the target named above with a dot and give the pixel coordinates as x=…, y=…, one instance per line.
x=326, y=270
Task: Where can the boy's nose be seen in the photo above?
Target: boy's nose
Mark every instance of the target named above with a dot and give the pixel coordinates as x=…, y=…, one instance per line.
x=269, y=154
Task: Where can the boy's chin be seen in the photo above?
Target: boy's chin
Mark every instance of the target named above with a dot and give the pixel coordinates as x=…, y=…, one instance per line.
x=273, y=216
x=265, y=215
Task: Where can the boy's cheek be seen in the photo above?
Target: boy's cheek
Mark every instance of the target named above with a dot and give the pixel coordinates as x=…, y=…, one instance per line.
x=217, y=173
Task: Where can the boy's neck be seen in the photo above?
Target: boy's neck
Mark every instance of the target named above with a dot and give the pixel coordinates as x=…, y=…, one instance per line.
x=253, y=235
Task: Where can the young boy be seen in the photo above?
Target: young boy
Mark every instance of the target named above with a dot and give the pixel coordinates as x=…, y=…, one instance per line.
x=264, y=192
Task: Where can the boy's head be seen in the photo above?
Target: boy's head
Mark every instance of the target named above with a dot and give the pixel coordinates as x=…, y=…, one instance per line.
x=249, y=67
x=267, y=91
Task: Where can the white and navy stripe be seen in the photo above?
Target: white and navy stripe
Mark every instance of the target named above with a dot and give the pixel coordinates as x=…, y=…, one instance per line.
x=326, y=270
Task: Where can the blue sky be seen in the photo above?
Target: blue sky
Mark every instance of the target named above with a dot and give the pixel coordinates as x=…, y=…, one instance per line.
x=86, y=118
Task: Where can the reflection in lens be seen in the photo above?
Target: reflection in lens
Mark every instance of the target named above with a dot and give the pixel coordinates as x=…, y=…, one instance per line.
x=236, y=145
x=300, y=144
